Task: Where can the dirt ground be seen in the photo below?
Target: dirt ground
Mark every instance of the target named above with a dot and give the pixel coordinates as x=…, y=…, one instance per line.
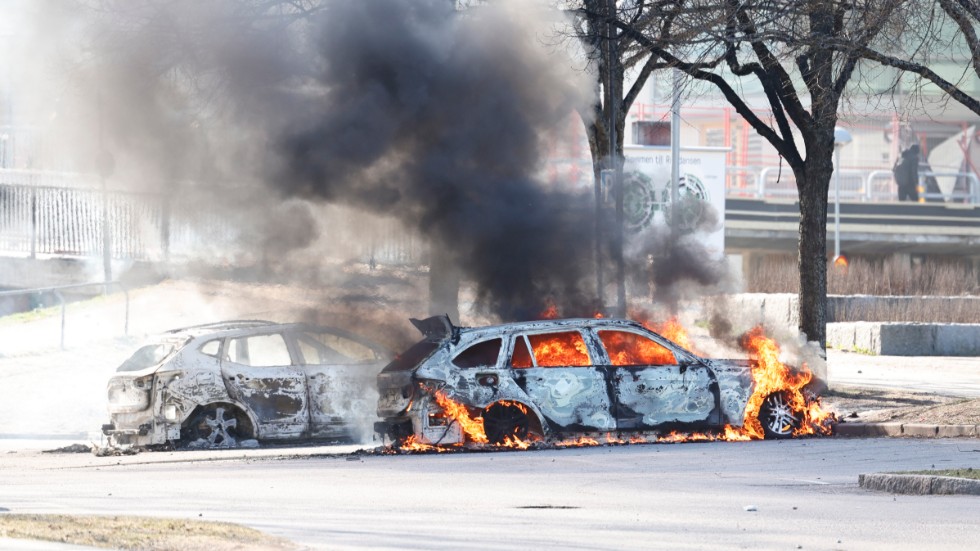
x=864, y=405
x=144, y=533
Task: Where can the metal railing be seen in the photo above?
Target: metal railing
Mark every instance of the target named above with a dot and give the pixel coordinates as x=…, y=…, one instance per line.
x=856, y=185
x=40, y=218
x=56, y=291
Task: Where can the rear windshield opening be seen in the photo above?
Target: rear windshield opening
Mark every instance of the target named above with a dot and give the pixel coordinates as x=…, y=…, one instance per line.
x=409, y=359
x=147, y=356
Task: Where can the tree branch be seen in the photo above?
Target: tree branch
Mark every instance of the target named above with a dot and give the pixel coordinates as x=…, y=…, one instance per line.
x=954, y=92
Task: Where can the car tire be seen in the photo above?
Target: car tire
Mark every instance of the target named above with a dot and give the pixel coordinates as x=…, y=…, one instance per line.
x=777, y=417
x=503, y=420
x=215, y=426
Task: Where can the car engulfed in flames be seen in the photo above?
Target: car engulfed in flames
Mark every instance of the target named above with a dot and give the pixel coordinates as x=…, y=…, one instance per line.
x=572, y=382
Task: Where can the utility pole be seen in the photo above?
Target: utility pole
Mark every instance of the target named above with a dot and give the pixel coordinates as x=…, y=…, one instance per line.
x=105, y=169
x=675, y=150
x=614, y=160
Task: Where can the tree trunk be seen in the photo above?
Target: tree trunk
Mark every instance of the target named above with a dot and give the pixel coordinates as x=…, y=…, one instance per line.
x=813, y=183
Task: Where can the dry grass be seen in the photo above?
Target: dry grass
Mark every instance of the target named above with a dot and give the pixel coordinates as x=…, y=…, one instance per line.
x=887, y=277
x=144, y=533
x=968, y=472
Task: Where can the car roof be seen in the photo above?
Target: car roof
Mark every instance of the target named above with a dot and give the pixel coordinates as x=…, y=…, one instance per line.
x=440, y=327
x=232, y=328
x=555, y=324
x=220, y=327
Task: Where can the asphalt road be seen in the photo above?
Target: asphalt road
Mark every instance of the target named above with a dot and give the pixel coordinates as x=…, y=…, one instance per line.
x=947, y=375
x=799, y=494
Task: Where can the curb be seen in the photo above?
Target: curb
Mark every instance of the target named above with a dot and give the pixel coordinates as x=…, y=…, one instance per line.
x=919, y=484
x=914, y=430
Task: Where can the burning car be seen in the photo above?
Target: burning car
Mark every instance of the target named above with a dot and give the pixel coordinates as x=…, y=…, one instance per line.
x=559, y=378
x=218, y=384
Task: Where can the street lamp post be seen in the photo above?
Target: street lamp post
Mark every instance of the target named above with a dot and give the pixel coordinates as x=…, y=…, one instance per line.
x=841, y=138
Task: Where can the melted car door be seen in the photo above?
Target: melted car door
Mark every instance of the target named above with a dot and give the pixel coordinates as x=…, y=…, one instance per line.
x=651, y=388
x=258, y=372
x=556, y=371
x=341, y=375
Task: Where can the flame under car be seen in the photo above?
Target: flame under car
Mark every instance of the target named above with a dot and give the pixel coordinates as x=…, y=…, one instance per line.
x=559, y=378
x=217, y=385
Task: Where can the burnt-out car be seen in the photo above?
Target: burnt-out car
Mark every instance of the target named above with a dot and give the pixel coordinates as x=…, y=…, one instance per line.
x=216, y=385
x=560, y=378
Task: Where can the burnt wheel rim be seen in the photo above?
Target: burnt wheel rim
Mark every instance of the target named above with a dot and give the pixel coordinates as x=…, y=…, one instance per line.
x=216, y=427
x=499, y=422
x=779, y=417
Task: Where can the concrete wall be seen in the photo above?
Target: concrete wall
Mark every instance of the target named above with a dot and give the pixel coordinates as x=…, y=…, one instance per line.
x=784, y=307
x=771, y=308
x=875, y=337
x=905, y=339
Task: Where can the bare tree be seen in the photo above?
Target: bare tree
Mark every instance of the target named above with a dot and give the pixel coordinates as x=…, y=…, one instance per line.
x=786, y=47
x=610, y=60
x=924, y=34
x=610, y=68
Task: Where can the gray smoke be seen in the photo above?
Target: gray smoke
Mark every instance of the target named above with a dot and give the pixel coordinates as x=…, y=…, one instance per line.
x=675, y=264
x=412, y=110
x=406, y=109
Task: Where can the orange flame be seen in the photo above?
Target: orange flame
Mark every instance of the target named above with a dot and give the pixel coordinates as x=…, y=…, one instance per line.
x=580, y=441
x=631, y=349
x=673, y=330
x=561, y=349
x=550, y=312
x=411, y=444
x=770, y=376
x=473, y=428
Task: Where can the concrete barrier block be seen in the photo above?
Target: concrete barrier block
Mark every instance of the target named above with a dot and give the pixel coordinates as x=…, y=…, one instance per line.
x=958, y=339
x=957, y=431
x=897, y=484
x=867, y=337
x=867, y=430
x=794, y=310
x=948, y=485
x=918, y=484
x=840, y=336
x=907, y=339
x=774, y=309
x=921, y=430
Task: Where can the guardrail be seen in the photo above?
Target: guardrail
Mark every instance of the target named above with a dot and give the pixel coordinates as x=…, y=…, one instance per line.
x=57, y=293
x=856, y=185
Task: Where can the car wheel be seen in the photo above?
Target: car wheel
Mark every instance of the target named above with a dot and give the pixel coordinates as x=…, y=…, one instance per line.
x=777, y=416
x=215, y=427
x=503, y=420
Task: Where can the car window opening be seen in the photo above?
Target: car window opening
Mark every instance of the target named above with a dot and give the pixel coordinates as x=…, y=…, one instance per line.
x=259, y=351
x=628, y=349
x=566, y=349
x=147, y=356
x=326, y=348
x=481, y=354
x=521, y=358
x=211, y=348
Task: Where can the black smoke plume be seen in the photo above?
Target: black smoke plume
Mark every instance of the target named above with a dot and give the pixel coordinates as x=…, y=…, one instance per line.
x=434, y=116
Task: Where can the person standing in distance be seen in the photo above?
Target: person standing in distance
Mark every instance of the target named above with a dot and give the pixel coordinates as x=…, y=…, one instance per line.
x=906, y=172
